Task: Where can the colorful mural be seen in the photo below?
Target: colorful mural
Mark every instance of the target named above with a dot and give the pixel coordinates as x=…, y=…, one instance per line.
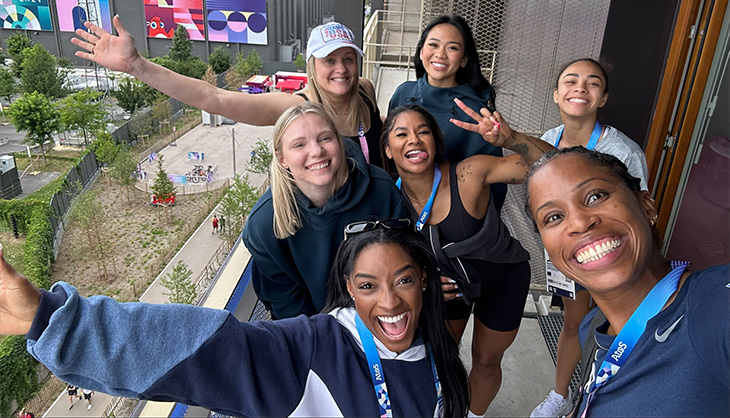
x=72, y=14
x=25, y=14
x=240, y=21
x=163, y=16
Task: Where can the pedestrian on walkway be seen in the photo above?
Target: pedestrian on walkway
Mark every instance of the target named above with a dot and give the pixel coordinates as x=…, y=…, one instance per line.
x=72, y=391
x=215, y=224
x=87, y=395
x=222, y=224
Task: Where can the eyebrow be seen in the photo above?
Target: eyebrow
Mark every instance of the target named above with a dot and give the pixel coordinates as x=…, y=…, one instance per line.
x=449, y=42
x=395, y=273
x=403, y=128
x=578, y=186
x=589, y=76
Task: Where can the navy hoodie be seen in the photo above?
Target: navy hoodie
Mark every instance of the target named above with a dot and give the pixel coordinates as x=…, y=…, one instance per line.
x=290, y=275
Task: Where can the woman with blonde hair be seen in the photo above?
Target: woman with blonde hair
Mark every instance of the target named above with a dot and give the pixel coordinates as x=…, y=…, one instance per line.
x=332, y=74
x=294, y=229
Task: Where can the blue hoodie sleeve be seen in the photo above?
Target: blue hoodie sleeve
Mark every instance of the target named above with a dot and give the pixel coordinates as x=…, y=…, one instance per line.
x=181, y=353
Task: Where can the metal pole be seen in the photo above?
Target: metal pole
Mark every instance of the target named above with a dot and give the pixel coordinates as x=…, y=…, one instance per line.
x=233, y=143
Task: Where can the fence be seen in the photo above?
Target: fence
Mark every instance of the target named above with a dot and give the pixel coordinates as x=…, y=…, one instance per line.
x=45, y=396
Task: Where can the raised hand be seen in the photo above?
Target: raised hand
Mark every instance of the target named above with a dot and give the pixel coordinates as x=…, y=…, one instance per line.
x=489, y=125
x=115, y=52
x=19, y=300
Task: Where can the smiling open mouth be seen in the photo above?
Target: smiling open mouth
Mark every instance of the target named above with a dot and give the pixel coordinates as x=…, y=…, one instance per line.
x=576, y=100
x=394, y=326
x=597, y=251
x=318, y=166
x=417, y=155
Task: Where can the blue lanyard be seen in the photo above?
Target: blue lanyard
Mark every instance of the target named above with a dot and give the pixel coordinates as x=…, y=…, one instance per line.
x=595, y=136
x=427, y=209
x=376, y=372
x=626, y=340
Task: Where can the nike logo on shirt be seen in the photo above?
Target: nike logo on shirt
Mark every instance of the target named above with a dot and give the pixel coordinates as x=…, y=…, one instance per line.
x=664, y=335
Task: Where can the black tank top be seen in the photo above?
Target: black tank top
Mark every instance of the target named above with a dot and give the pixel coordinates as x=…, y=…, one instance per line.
x=458, y=224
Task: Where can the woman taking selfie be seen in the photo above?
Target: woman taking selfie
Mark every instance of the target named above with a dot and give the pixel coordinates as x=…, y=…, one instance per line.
x=332, y=74
x=664, y=348
x=385, y=308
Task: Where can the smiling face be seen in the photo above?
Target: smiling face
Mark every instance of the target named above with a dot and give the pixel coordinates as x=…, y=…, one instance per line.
x=337, y=72
x=581, y=90
x=387, y=286
x=310, y=150
x=411, y=143
x=443, y=54
x=595, y=229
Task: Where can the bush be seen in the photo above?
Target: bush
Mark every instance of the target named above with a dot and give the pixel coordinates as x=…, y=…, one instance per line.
x=19, y=374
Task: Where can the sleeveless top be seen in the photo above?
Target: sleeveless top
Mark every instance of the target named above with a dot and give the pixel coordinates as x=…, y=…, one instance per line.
x=458, y=224
x=372, y=136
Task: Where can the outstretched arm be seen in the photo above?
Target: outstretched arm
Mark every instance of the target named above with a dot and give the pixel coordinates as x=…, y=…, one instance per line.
x=495, y=130
x=117, y=52
x=19, y=300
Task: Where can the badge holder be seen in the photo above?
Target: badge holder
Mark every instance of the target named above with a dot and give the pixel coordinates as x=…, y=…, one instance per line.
x=557, y=282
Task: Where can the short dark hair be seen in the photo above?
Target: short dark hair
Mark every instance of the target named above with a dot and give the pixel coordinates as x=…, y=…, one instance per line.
x=432, y=320
x=471, y=73
x=602, y=65
x=389, y=125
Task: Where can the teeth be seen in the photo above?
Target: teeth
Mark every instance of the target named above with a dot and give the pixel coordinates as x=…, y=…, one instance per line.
x=319, y=166
x=578, y=101
x=597, y=252
x=438, y=65
x=415, y=151
x=392, y=319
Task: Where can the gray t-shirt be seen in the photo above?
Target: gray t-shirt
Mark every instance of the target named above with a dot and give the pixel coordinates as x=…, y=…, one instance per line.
x=521, y=227
x=619, y=145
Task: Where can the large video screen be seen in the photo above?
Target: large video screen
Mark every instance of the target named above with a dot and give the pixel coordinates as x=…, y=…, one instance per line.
x=163, y=16
x=28, y=15
x=73, y=13
x=239, y=21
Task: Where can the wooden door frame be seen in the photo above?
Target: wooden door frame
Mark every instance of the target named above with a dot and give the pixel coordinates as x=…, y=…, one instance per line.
x=702, y=47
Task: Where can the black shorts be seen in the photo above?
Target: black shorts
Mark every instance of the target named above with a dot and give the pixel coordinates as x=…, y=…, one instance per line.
x=72, y=392
x=87, y=396
x=502, y=301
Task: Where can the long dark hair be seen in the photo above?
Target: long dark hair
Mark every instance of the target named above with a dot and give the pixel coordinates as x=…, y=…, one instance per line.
x=432, y=321
x=389, y=125
x=471, y=73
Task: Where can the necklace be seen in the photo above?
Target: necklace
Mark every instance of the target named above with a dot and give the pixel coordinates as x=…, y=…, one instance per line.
x=416, y=200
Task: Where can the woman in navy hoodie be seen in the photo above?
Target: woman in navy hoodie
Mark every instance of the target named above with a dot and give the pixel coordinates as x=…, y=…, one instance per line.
x=294, y=229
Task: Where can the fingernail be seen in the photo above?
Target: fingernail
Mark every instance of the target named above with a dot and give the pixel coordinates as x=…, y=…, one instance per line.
x=460, y=295
x=452, y=280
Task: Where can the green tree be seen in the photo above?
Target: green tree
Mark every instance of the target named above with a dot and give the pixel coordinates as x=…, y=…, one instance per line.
x=163, y=187
x=106, y=150
x=123, y=170
x=260, y=158
x=83, y=110
x=34, y=114
x=300, y=62
x=220, y=60
x=246, y=67
x=8, y=87
x=237, y=204
x=17, y=43
x=182, y=46
x=39, y=72
x=130, y=95
x=89, y=215
x=178, y=281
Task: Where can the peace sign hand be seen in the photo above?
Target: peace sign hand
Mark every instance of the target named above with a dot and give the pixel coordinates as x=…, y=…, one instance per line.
x=489, y=125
